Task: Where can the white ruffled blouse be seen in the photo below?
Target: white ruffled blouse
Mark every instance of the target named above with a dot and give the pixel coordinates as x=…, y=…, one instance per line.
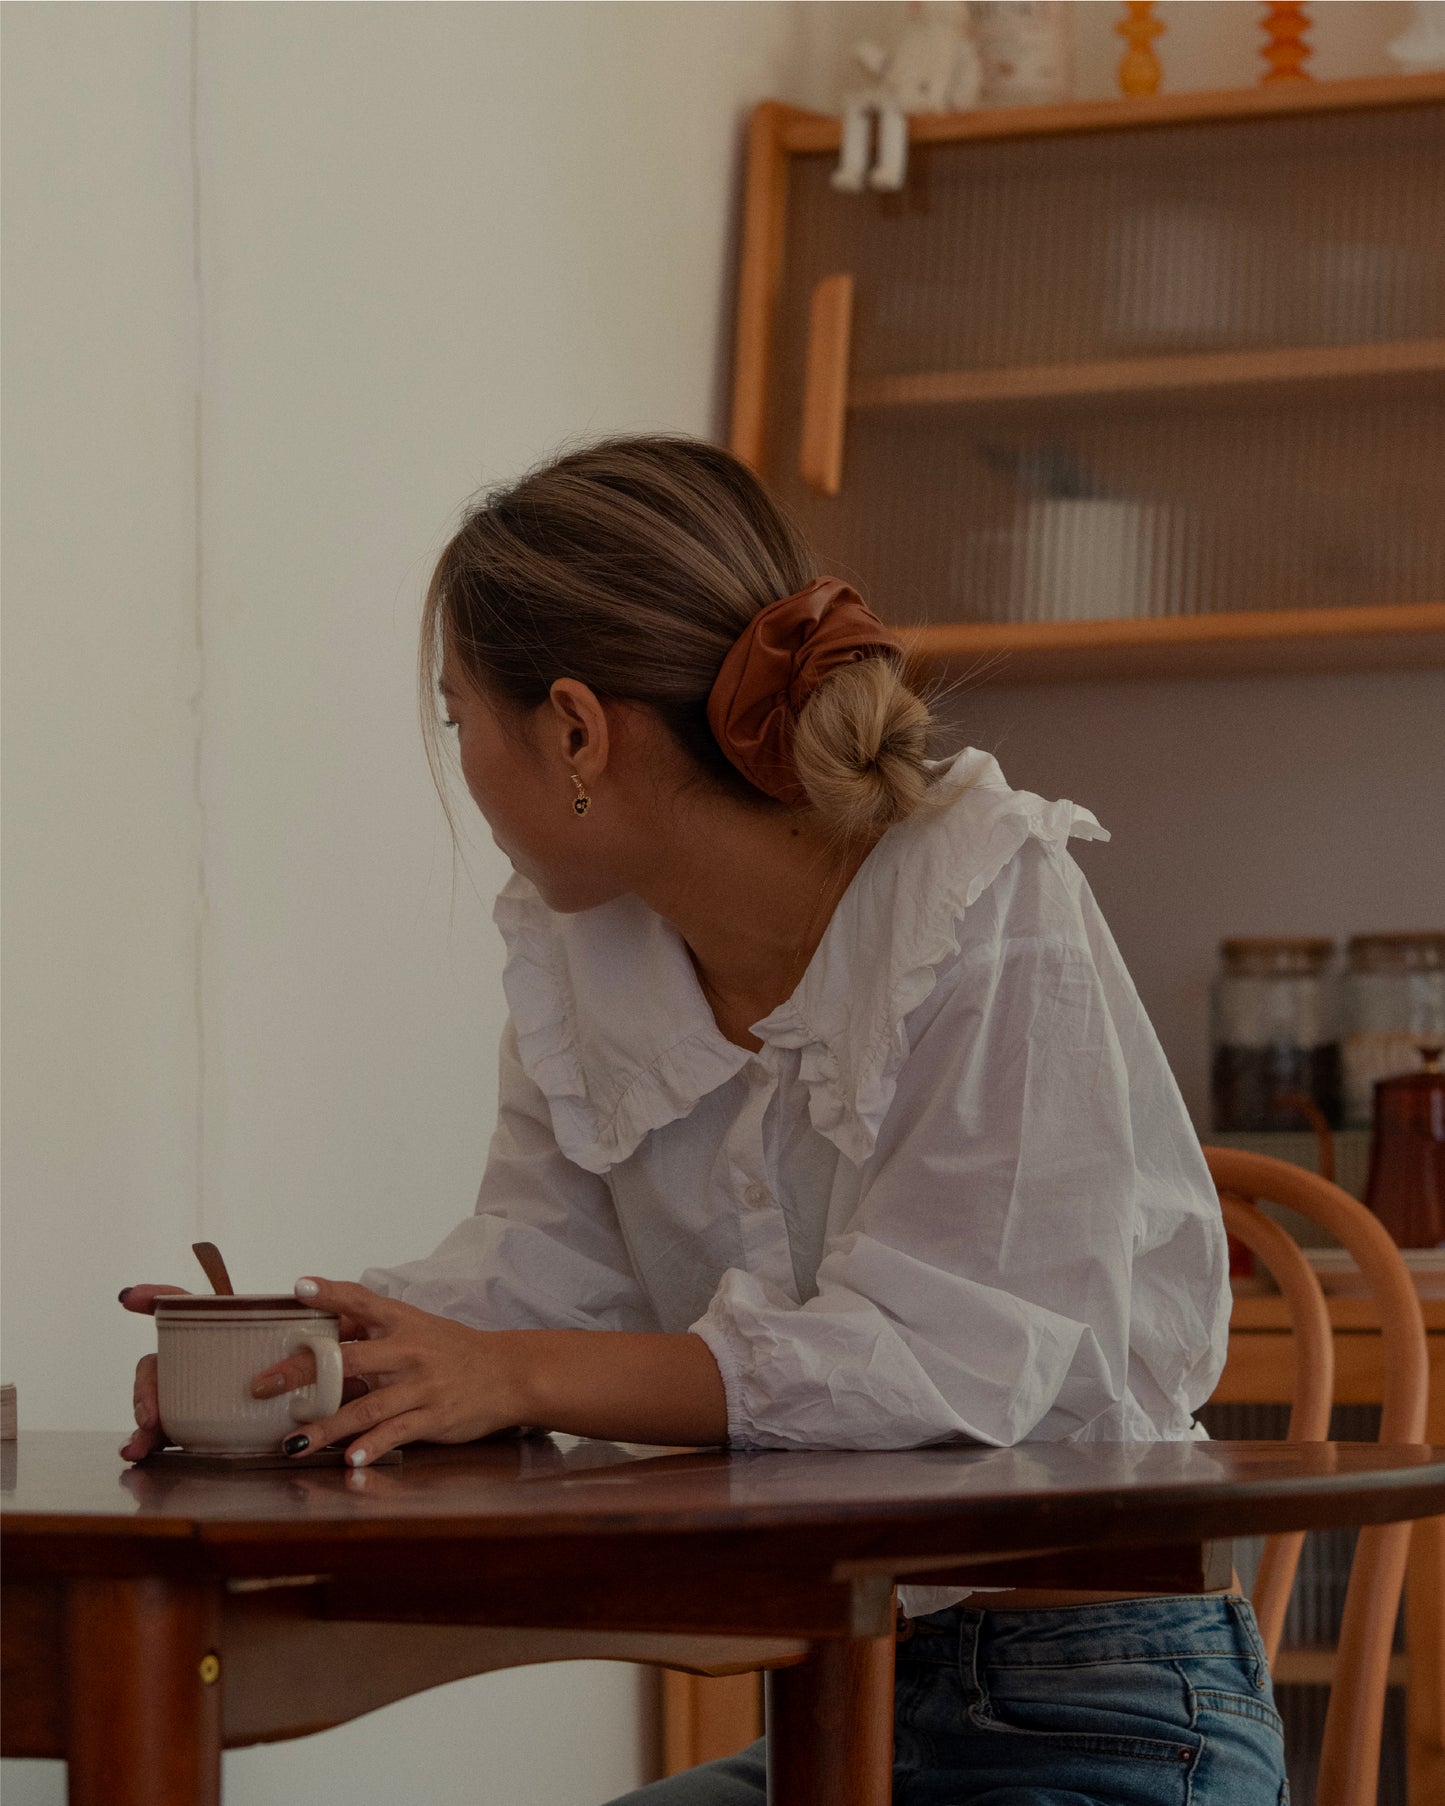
x=955, y=1197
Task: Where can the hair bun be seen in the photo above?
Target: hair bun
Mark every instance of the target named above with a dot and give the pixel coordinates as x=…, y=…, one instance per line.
x=859, y=749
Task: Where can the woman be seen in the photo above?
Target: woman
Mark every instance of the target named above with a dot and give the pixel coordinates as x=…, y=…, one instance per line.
x=824, y=1093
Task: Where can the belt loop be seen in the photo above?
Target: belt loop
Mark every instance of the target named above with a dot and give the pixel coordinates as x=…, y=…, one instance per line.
x=1251, y=1649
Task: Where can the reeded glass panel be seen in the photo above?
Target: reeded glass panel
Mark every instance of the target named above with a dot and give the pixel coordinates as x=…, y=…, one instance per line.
x=1153, y=488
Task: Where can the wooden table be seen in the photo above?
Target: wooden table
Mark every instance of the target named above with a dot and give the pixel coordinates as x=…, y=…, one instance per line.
x=1260, y=1370
x=153, y=1617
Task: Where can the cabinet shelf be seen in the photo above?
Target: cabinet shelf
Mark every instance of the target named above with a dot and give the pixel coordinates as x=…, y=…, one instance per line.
x=802, y=132
x=1221, y=316
x=1402, y=636
x=1227, y=374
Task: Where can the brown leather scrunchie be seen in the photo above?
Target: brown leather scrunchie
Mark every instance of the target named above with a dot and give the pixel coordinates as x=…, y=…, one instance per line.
x=780, y=658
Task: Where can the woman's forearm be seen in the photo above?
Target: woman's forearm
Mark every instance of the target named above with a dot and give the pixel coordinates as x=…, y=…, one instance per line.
x=618, y=1386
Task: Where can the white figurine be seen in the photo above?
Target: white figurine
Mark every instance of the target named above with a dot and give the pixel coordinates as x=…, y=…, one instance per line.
x=934, y=69
x=1422, y=44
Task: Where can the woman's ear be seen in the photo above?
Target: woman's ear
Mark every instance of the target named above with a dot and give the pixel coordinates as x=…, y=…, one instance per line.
x=578, y=725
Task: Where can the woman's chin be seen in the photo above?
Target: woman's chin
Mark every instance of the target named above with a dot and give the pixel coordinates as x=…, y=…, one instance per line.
x=565, y=896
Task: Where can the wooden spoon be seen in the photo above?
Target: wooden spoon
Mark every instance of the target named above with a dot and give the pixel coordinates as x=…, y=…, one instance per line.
x=209, y=1255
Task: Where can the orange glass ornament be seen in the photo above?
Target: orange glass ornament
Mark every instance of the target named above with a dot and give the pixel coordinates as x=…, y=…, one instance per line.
x=1285, y=23
x=1139, y=69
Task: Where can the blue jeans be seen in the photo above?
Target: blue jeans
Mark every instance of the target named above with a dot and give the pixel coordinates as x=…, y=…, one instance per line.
x=1149, y=1702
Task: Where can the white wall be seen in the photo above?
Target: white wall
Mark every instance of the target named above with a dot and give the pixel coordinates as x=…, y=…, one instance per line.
x=283, y=285
x=433, y=241
x=100, y=688
x=437, y=241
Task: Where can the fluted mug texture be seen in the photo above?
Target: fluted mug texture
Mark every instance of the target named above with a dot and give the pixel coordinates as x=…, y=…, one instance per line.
x=210, y=1349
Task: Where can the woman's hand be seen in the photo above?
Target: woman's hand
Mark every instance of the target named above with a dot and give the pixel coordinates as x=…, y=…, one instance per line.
x=149, y=1433
x=429, y=1378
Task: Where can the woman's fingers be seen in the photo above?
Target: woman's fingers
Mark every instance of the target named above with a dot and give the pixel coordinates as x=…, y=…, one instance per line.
x=368, y=1309
x=148, y=1432
x=143, y=1443
x=362, y=1417
x=286, y=1376
x=143, y=1298
x=144, y=1398
x=137, y=1448
x=359, y=1362
x=410, y=1426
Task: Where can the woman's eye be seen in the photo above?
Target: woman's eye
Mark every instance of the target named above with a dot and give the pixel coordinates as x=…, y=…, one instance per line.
x=448, y=722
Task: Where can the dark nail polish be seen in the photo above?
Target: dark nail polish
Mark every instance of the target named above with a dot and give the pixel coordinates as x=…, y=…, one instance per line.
x=125, y=1292
x=296, y=1445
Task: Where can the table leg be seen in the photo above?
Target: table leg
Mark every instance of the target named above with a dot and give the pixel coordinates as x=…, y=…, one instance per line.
x=830, y=1726
x=143, y=1694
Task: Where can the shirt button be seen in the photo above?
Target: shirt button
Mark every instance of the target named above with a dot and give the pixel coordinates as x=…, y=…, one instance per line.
x=756, y=1194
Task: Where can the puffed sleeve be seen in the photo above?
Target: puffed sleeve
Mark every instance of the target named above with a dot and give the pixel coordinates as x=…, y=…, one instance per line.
x=543, y=1249
x=1035, y=1249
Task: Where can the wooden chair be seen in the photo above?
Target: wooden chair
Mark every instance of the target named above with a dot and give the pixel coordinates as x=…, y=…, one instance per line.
x=1350, y=1752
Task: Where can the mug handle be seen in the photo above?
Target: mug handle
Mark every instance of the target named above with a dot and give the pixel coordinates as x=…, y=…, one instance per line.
x=327, y=1387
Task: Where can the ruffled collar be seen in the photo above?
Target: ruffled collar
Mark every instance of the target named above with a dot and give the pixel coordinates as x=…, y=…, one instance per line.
x=614, y=1029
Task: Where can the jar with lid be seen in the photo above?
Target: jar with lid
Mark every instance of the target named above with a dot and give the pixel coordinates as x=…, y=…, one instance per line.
x=1394, y=1006
x=1275, y=1039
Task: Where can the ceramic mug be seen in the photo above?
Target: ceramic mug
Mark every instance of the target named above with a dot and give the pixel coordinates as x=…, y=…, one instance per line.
x=211, y=1348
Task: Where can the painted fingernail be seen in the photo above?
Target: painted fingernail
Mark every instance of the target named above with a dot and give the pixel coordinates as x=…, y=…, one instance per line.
x=357, y=1457
x=125, y=1292
x=306, y=1288
x=296, y=1445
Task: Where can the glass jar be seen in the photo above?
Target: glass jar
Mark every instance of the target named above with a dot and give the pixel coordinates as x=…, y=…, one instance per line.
x=1394, y=1006
x=1275, y=1040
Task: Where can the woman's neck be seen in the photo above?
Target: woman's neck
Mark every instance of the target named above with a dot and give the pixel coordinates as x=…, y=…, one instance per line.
x=751, y=893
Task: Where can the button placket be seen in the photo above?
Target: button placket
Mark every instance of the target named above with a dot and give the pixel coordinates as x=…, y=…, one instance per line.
x=761, y=1221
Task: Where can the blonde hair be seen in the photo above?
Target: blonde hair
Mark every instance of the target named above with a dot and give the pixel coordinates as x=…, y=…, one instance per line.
x=632, y=565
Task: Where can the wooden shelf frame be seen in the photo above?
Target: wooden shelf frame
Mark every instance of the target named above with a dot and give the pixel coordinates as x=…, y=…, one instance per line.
x=1247, y=642
x=805, y=133
x=778, y=131
x=1193, y=376
x=1398, y=636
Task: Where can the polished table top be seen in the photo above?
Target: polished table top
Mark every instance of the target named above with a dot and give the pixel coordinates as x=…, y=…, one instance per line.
x=63, y=1488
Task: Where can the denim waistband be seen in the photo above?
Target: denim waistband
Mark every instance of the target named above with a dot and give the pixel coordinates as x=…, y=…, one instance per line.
x=1166, y=1628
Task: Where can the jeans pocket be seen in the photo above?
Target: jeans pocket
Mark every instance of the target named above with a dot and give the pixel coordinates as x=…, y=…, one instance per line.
x=1119, y=1709
x=1240, y=1705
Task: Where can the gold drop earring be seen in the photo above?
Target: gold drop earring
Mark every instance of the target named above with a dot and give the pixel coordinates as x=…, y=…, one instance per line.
x=581, y=803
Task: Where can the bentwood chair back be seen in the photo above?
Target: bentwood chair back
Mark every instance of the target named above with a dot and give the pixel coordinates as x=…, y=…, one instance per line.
x=1350, y=1753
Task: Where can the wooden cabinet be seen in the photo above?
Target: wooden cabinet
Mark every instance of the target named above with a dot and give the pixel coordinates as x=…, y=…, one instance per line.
x=1143, y=387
